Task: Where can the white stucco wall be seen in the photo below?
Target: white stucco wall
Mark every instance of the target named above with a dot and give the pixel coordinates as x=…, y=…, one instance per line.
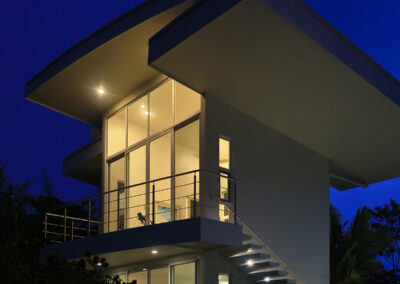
x=283, y=194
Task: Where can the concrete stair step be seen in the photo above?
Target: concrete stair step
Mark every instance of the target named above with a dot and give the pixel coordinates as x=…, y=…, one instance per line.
x=236, y=251
x=259, y=276
x=246, y=237
x=252, y=257
x=245, y=269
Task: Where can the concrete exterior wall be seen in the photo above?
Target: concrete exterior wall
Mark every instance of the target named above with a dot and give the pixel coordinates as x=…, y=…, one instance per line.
x=283, y=193
x=211, y=263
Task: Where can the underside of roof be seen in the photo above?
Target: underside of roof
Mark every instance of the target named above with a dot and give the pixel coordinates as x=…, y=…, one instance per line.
x=114, y=59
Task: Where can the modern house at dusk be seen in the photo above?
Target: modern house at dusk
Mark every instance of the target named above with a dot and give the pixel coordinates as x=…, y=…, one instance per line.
x=221, y=126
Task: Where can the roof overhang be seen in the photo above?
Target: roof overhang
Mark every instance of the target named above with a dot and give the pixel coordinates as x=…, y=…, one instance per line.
x=114, y=58
x=281, y=64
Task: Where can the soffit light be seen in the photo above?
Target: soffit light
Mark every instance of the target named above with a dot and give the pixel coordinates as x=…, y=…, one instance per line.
x=154, y=251
x=249, y=262
x=100, y=91
x=266, y=279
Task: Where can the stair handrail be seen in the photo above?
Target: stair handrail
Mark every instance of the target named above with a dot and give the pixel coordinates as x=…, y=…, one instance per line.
x=239, y=221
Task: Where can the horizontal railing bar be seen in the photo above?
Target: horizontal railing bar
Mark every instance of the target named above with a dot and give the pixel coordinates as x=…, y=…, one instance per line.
x=68, y=227
x=72, y=218
x=143, y=183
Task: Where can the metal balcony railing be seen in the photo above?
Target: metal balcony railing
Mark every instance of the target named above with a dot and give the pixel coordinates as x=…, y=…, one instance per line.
x=197, y=193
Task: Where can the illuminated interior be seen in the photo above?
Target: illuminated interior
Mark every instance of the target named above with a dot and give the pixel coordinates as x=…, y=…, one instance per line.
x=155, y=136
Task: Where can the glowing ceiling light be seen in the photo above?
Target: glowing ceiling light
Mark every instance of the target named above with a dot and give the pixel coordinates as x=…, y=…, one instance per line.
x=142, y=106
x=249, y=262
x=100, y=91
x=154, y=251
x=266, y=279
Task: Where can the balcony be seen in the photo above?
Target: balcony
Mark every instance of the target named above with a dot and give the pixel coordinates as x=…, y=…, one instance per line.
x=85, y=163
x=195, y=214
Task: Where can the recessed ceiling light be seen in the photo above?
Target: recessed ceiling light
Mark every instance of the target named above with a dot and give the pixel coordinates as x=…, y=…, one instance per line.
x=154, y=251
x=144, y=269
x=142, y=106
x=99, y=264
x=100, y=91
x=266, y=279
x=249, y=262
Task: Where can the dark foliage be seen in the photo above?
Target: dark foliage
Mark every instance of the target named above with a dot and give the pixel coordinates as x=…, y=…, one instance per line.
x=21, y=238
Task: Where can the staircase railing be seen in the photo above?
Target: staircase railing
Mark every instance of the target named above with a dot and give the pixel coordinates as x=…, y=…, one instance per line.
x=260, y=242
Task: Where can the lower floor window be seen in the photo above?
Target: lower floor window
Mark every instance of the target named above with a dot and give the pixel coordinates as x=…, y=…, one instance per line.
x=175, y=274
x=223, y=278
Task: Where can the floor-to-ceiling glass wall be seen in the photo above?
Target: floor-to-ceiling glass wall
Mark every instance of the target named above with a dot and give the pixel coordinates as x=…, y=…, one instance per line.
x=186, y=160
x=156, y=136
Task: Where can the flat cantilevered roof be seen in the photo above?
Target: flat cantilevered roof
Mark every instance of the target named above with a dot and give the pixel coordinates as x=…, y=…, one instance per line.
x=275, y=60
x=283, y=65
x=113, y=58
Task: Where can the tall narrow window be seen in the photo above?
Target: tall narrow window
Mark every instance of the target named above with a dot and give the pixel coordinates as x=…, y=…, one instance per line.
x=186, y=159
x=137, y=194
x=138, y=113
x=224, y=153
x=161, y=108
x=160, y=167
x=184, y=273
x=116, y=198
x=116, y=127
x=224, y=180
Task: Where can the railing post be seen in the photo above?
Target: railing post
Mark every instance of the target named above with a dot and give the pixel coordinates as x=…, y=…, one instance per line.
x=65, y=224
x=72, y=230
x=154, y=203
x=234, y=202
x=194, y=195
x=45, y=226
x=89, y=215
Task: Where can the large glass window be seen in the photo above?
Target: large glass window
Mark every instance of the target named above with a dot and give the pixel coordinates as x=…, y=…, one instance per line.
x=186, y=159
x=138, y=113
x=161, y=108
x=143, y=132
x=159, y=276
x=141, y=277
x=116, y=127
x=137, y=194
x=184, y=273
x=160, y=167
x=187, y=102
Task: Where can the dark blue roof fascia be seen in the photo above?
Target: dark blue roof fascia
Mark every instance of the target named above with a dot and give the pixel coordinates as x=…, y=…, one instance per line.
x=186, y=24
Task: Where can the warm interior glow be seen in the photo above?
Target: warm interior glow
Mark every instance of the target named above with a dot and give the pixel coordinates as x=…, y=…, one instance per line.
x=184, y=273
x=224, y=153
x=223, y=279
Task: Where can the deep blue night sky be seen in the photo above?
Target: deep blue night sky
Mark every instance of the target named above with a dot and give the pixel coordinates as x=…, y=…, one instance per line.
x=36, y=32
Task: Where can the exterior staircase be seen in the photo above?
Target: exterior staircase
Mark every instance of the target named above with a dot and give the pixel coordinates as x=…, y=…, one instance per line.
x=257, y=262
